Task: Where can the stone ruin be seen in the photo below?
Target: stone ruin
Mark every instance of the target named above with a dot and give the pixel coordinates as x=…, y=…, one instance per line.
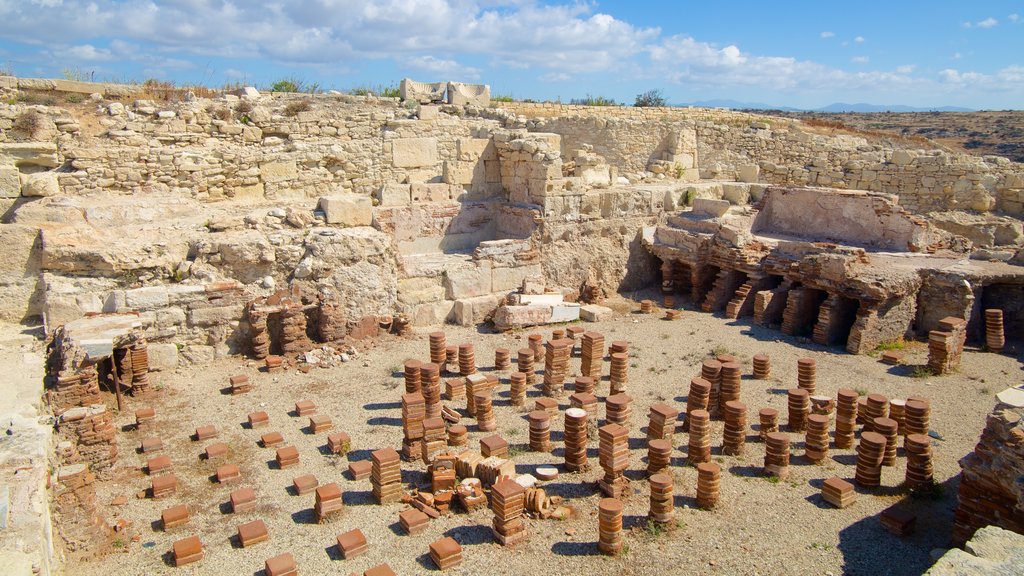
x=145, y=235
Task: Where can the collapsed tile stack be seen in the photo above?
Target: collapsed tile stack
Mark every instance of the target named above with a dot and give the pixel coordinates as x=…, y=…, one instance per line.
x=470, y=493
x=508, y=500
x=239, y=384
x=799, y=408
x=659, y=456
x=806, y=374
x=846, y=417
x=445, y=553
x=339, y=443
x=769, y=418
x=482, y=403
x=709, y=482
x=816, y=440
x=618, y=408
x=995, y=338
x=946, y=345
x=613, y=455
x=491, y=470
x=729, y=390
x=919, y=460
x=540, y=431
x=556, y=365
x=734, y=435
x=875, y=406
x=430, y=387
x=619, y=376
x=502, y=359
x=71, y=390
x=517, y=388
x=918, y=415
x=711, y=370
x=838, y=492
x=609, y=518
x=699, y=449
x=890, y=429
x=697, y=398
x=525, y=363
x=591, y=355
x=438, y=348
x=646, y=306
x=435, y=439
x=870, y=452
x=823, y=405
x=467, y=359
x=587, y=403
x=451, y=356
x=328, y=501
x=661, y=423
x=762, y=366
x=575, y=439
x=776, y=454
x=386, y=476
x=662, y=508
x=413, y=375
x=414, y=412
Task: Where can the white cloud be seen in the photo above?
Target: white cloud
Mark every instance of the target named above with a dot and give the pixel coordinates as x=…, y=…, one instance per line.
x=555, y=77
x=86, y=53
x=906, y=69
x=827, y=34
x=957, y=56
x=1013, y=17
x=1007, y=79
x=442, y=67
x=860, y=59
x=986, y=23
x=859, y=40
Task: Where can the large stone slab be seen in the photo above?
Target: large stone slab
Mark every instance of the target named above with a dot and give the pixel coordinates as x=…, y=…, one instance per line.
x=467, y=282
x=472, y=311
x=414, y=152
x=595, y=313
x=509, y=317
x=347, y=210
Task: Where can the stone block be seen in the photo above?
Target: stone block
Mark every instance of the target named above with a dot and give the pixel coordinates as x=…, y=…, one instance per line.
x=595, y=313
x=472, y=311
x=434, y=192
x=278, y=171
x=748, y=172
x=162, y=356
x=198, y=354
x=736, y=194
x=463, y=173
x=347, y=210
x=424, y=92
x=469, y=149
x=461, y=94
x=428, y=112
x=148, y=298
x=432, y=313
x=10, y=182
x=509, y=279
x=467, y=282
x=508, y=317
x=40, y=185
x=565, y=312
x=394, y=194
x=710, y=207
x=420, y=290
x=214, y=316
x=414, y=152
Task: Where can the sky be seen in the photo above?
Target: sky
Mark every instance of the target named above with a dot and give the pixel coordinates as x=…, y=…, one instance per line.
x=797, y=53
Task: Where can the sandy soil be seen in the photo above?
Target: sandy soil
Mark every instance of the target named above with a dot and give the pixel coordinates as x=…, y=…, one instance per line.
x=761, y=527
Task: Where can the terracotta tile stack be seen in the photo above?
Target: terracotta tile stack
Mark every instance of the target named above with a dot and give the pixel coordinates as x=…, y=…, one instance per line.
x=946, y=345
x=360, y=469
x=697, y=398
x=525, y=363
x=799, y=408
x=540, y=431
x=206, y=432
x=556, y=365
x=734, y=436
x=618, y=408
x=174, y=516
x=591, y=355
x=709, y=483
x=587, y=403
x=157, y=465
x=816, y=440
x=806, y=374
x=71, y=390
x=576, y=439
x=339, y=443
x=898, y=412
x=890, y=429
x=239, y=384
x=729, y=390
x=287, y=456
x=609, y=518
x=898, y=521
x=508, y=500
x=995, y=338
x=646, y=306
x=412, y=375
x=776, y=454
x=274, y=364
x=352, y=544
x=661, y=423
x=517, y=388
x=216, y=450
x=145, y=418
x=492, y=470
x=458, y=435
x=549, y=405
x=659, y=456
x=455, y=388
x=151, y=445
x=919, y=460
x=413, y=521
x=430, y=387
x=451, y=357
x=846, y=417
x=435, y=439
x=386, y=477
x=870, y=453
x=668, y=300
x=445, y=553
x=140, y=369
x=187, y=551
x=320, y=423
x=258, y=419
x=613, y=452
x=662, y=508
x=258, y=329
x=438, y=348
x=536, y=343
x=243, y=500
x=467, y=359
x=619, y=372
x=711, y=370
x=673, y=314
x=769, y=418
x=494, y=445
x=305, y=408
x=281, y=565
x=272, y=440
x=875, y=406
x=699, y=449
x=918, y=416
x=584, y=385
x=618, y=347
x=228, y=473
x=762, y=366
x=502, y=359
x=380, y=570
x=474, y=383
x=485, y=420
x=838, y=492
x=252, y=533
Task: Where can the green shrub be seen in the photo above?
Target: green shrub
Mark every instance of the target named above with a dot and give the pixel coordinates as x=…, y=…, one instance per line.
x=651, y=98
x=287, y=85
x=593, y=101
x=292, y=109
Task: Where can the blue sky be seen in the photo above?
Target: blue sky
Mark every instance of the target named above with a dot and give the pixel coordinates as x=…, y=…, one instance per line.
x=804, y=54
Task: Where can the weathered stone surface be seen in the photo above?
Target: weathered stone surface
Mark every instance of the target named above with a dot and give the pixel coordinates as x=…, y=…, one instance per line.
x=277, y=171
x=420, y=290
x=509, y=317
x=10, y=182
x=414, y=152
x=991, y=552
x=595, y=313
x=710, y=207
x=40, y=184
x=467, y=282
x=162, y=356
x=472, y=311
x=347, y=210
x=149, y=298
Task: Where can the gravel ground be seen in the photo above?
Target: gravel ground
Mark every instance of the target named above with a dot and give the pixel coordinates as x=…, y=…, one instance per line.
x=761, y=526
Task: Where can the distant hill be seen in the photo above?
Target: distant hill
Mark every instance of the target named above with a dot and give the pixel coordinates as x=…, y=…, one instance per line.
x=830, y=109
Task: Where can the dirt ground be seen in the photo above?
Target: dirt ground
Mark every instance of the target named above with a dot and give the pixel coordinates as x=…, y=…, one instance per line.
x=762, y=526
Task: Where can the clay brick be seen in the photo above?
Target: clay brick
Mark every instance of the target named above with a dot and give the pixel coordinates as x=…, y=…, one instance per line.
x=413, y=521
x=238, y=379
x=206, y=432
x=152, y=444
x=164, y=486
x=174, y=516
x=360, y=469
x=243, y=500
x=380, y=570
x=258, y=419
x=339, y=443
x=252, y=533
x=287, y=456
x=272, y=440
x=446, y=553
x=352, y=544
x=305, y=408
x=143, y=415
x=218, y=450
x=281, y=565
x=305, y=484
x=320, y=423
x=158, y=464
x=228, y=473
x=187, y=551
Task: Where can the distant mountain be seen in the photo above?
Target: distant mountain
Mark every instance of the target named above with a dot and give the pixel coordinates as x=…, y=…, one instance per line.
x=831, y=108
